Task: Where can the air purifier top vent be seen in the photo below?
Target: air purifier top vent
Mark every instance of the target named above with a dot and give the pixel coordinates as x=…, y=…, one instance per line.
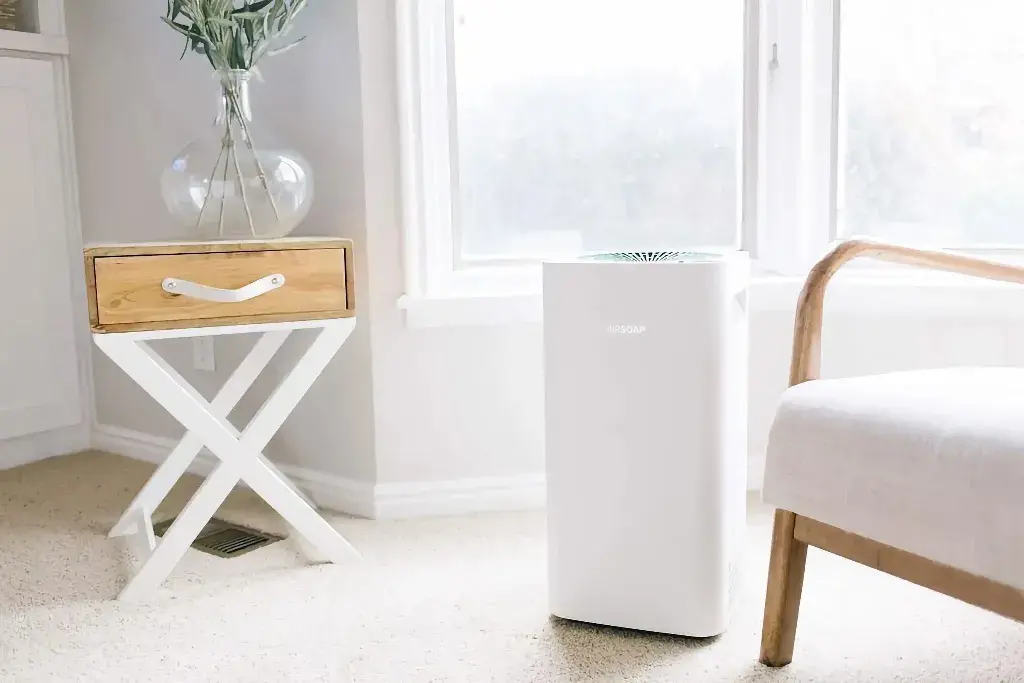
x=650, y=256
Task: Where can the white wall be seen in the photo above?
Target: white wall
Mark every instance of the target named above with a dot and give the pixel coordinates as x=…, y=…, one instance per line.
x=427, y=405
x=451, y=403
x=135, y=105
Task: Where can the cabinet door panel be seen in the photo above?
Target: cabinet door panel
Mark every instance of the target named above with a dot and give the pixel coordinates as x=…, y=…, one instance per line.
x=39, y=384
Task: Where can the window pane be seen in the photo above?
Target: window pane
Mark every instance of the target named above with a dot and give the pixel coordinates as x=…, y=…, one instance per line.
x=932, y=128
x=597, y=124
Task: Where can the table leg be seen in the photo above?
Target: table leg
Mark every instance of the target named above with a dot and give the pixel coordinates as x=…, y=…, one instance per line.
x=172, y=469
x=241, y=457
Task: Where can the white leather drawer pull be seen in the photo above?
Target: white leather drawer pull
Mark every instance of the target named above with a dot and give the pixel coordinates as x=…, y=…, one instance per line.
x=224, y=296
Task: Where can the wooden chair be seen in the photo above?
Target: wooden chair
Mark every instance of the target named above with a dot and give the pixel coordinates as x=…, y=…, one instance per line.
x=917, y=474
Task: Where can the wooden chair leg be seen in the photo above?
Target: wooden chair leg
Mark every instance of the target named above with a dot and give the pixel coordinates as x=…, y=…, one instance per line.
x=785, y=583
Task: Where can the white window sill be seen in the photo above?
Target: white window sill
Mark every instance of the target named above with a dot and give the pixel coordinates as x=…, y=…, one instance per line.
x=917, y=294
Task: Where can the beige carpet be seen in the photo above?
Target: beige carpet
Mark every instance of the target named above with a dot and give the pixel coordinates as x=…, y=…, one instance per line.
x=434, y=600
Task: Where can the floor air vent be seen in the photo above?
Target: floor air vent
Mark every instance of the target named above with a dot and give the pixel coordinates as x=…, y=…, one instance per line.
x=224, y=539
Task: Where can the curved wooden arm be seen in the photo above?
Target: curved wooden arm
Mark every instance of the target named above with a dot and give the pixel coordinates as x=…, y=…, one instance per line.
x=806, y=364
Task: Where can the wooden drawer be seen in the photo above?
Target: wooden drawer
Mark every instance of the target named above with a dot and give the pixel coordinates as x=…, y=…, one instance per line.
x=127, y=292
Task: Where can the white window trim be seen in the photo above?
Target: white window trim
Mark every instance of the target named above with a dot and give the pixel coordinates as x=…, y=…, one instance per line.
x=428, y=178
x=857, y=293
x=789, y=217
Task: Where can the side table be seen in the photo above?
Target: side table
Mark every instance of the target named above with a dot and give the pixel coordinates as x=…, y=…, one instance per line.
x=142, y=292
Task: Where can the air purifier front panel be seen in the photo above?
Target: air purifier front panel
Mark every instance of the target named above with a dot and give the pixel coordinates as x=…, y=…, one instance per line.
x=645, y=403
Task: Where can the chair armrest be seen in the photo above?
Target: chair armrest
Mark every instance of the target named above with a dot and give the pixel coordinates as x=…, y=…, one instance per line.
x=806, y=362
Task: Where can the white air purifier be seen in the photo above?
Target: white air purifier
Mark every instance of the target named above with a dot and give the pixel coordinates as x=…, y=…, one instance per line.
x=645, y=362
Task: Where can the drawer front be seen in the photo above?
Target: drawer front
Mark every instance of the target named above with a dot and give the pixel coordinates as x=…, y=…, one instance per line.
x=129, y=289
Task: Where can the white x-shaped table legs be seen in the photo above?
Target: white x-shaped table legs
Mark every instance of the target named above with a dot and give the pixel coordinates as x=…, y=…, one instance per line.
x=240, y=453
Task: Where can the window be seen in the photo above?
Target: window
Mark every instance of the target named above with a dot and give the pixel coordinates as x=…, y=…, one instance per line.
x=582, y=126
x=932, y=122
x=544, y=128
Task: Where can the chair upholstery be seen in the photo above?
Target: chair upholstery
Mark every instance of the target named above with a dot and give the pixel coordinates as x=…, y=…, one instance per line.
x=928, y=461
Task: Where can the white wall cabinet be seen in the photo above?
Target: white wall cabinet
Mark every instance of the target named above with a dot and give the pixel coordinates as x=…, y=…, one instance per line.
x=41, y=376
x=38, y=355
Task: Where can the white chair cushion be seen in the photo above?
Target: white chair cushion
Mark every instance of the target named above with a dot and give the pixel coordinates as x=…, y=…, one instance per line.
x=929, y=461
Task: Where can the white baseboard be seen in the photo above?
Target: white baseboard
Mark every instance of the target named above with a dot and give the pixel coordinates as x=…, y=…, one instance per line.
x=366, y=499
x=327, y=490
x=134, y=445
x=359, y=498
x=29, y=449
x=460, y=496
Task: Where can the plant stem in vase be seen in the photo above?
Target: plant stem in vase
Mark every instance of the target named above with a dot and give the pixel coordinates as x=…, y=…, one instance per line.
x=256, y=188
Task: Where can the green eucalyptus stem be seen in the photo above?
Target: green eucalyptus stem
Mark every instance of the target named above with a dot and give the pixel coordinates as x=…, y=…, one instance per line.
x=209, y=191
x=250, y=145
x=235, y=36
x=241, y=182
x=225, y=144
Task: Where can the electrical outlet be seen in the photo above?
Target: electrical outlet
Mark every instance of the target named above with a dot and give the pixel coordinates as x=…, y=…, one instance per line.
x=202, y=354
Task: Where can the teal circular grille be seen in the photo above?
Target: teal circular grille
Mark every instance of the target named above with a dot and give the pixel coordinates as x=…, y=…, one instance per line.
x=649, y=256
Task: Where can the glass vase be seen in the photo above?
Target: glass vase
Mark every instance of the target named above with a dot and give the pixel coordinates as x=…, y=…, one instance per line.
x=234, y=182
